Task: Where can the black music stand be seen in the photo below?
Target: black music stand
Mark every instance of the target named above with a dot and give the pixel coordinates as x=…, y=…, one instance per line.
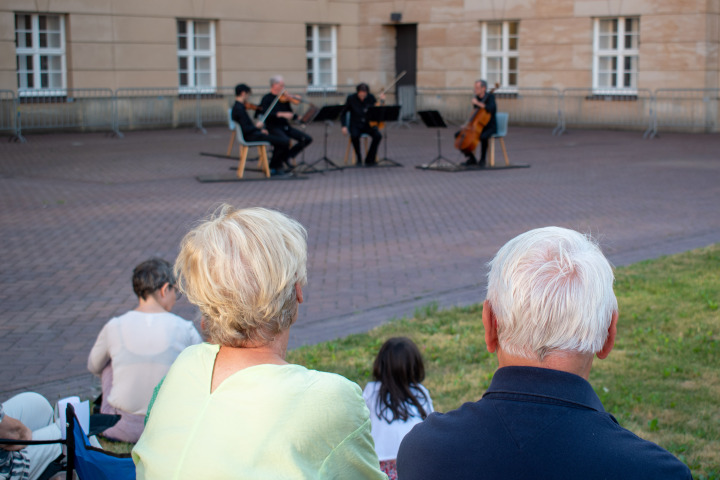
x=385, y=113
x=326, y=114
x=433, y=119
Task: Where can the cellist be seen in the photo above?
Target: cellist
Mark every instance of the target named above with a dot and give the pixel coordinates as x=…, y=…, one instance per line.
x=486, y=100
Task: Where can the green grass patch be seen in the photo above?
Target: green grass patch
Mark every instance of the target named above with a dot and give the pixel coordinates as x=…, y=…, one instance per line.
x=661, y=381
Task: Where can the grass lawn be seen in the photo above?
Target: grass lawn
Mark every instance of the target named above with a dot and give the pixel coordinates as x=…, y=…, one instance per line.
x=662, y=380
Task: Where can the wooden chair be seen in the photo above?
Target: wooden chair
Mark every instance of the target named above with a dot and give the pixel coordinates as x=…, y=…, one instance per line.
x=501, y=119
x=231, y=126
x=364, y=139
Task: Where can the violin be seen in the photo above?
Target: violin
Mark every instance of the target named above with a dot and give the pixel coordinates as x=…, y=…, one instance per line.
x=381, y=125
x=293, y=99
x=250, y=106
x=469, y=136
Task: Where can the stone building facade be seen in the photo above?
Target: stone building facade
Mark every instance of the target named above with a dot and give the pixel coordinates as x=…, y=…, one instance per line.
x=606, y=45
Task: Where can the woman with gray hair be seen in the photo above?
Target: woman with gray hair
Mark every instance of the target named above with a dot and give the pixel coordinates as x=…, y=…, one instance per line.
x=234, y=407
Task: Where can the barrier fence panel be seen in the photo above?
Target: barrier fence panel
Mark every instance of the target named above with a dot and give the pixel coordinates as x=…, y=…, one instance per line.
x=687, y=109
x=157, y=107
x=88, y=109
x=526, y=106
x=531, y=106
x=8, y=114
x=585, y=107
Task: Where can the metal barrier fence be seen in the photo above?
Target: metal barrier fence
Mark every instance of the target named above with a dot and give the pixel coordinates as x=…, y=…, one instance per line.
x=8, y=113
x=586, y=107
x=89, y=109
x=526, y=106
x=99, y=109
x=694, y=110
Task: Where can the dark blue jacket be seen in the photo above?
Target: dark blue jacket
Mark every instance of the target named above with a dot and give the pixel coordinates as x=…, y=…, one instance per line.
x=532, y=423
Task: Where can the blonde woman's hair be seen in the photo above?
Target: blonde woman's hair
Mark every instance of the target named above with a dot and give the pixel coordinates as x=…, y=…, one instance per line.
x=551, y=290
x=240, y=267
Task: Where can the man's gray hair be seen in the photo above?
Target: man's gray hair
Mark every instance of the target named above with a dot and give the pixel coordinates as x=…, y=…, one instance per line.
x=276, y=79
x=551, y=290
x=482, y=82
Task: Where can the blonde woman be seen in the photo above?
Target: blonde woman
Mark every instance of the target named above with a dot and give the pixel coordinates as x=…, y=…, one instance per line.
x=233, y=407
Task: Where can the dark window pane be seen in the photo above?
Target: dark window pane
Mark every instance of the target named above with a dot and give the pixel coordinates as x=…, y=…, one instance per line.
x=628, y=80
x=182, y=27
x=43, y=80
x=183, y=63
x=183, y=80
x=512, y=79
x=43, y=64
x=182, y=43
x=43, y=22
x=43, y=40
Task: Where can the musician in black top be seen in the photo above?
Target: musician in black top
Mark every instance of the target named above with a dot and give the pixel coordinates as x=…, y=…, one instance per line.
x=486, y=100
x=353, y=120
x=256, y=132
x=278, y=121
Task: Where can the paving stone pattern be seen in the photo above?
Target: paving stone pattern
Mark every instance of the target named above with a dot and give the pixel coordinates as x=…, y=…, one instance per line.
x=79, y=211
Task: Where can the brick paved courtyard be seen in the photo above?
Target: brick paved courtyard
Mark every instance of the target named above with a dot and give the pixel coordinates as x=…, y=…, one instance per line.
x=80, y=210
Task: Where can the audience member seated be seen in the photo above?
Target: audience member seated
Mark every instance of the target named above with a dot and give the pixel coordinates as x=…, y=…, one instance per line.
x=550, y=309
x=27, y=416
x=134, y=351
x=396, y=399
x=235, y=407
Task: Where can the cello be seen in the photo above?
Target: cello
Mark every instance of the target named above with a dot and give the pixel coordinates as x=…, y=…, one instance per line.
x=469, y=136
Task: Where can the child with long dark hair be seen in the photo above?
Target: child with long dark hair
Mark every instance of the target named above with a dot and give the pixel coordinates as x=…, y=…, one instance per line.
x=396, y=399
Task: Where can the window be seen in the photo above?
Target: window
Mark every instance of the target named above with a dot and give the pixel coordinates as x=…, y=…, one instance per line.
x=40, y=50
x=321, y=46
x=500, y=54
x=615, y=59
x=196, y=55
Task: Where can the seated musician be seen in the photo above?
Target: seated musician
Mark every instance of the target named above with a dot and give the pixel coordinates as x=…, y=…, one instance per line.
x=256, y=132
x=278, y=120
x=486, y=100
x=357, y=105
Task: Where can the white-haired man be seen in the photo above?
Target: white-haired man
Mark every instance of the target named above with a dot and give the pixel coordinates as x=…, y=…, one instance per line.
x=550, y=309
x=279, y=117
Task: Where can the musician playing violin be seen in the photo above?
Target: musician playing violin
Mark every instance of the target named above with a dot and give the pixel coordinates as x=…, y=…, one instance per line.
x=278, y=118
x=353, y=118
x=256, y=131
x=486, y=100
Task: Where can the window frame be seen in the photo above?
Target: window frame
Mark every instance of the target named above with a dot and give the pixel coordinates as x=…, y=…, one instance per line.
x=316, y=55
x=190, y=53
x=619, y=53
x=36, y=52
x=505, y=54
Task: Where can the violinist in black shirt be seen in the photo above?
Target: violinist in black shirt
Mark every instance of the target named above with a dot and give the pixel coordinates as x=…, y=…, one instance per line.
x=278, y=120
x=353, y=118
x=256, y=132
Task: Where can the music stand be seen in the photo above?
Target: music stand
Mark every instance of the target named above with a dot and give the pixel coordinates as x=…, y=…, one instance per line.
x=326, y=114
x=385, y=113
x=433, y=119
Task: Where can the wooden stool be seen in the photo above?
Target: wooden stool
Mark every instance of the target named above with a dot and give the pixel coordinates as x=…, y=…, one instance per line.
x=364, y=138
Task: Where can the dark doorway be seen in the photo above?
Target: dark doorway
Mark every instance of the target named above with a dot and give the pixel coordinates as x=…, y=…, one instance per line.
x=406, y=61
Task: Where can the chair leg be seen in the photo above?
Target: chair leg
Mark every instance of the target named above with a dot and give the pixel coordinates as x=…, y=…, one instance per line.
x=502, y=144
x=263, y=160
x=347, y=152
x=241, y=164
x=492, y=151
x=231, y=144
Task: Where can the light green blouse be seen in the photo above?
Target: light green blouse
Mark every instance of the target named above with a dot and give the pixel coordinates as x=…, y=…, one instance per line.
x=263, y=422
